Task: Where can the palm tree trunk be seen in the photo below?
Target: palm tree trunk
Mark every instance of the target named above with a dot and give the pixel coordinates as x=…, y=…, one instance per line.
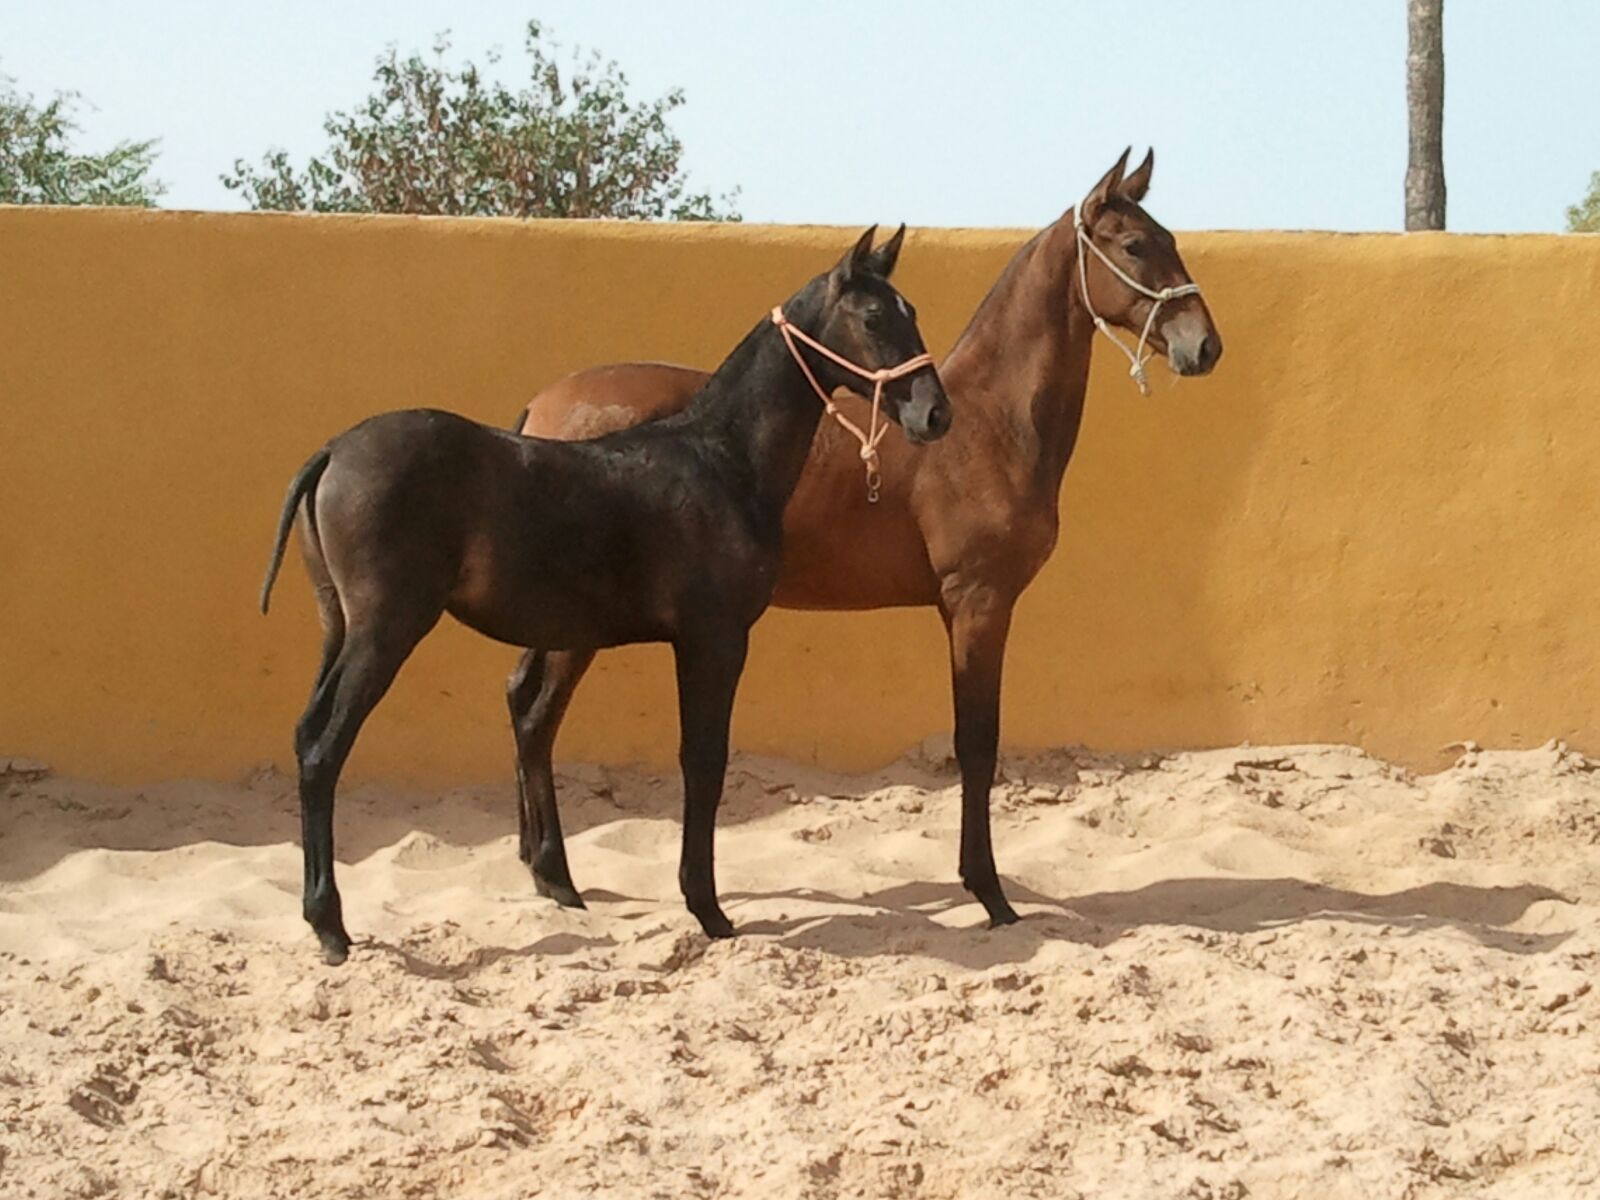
x=1425, y=107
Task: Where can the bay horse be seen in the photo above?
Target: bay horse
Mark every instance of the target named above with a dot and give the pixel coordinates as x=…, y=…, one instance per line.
x=667, y=532
x=963, y=525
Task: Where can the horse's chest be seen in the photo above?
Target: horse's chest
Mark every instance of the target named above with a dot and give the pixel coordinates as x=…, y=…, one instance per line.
x=734, y=577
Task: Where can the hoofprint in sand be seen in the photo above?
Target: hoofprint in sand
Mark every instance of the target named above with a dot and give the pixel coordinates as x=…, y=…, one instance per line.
x=1275, y=972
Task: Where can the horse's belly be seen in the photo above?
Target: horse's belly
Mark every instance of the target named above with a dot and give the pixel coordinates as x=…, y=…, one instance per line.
x=555, y=588
x=561, y=622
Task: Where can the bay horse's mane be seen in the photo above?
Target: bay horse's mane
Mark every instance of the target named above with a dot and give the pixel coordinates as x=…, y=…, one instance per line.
x=1000, y=291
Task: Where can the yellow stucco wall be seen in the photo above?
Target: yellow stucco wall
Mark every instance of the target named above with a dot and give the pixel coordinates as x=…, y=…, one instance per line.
x=1373, y=524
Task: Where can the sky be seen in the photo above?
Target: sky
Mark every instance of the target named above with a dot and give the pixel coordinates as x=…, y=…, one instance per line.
x=1280, y=114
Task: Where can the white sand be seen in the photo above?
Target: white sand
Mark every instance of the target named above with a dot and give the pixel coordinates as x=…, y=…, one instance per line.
x=1314, y=977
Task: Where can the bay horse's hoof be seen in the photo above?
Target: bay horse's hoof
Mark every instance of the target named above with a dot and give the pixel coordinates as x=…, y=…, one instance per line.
x=335, y=947
x=715, y=923
x=563, y=894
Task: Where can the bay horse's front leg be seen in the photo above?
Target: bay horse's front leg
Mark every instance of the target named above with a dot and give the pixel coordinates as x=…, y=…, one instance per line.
x=537, y=694
x=978, y=621
x=709, y=666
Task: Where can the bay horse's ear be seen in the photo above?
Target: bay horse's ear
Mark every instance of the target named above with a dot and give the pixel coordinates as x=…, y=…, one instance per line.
x=882, y=260
x=1105, y=189
x=856, y=258
x=1136, y=185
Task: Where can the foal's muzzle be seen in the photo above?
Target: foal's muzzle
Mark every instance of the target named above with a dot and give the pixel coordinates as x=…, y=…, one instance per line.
x=925, y=414
x=918, y=368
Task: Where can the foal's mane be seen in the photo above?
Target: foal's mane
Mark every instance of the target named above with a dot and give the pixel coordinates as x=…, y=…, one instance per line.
x=801, y=307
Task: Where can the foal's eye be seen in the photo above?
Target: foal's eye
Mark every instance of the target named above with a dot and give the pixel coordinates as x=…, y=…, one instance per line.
x=873, y=320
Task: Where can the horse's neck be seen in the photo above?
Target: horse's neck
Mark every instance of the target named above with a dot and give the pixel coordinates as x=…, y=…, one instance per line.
x=759, y=406
x=1024, y=357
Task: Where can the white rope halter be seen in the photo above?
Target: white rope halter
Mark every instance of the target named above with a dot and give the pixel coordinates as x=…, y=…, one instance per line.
x=1137, y=358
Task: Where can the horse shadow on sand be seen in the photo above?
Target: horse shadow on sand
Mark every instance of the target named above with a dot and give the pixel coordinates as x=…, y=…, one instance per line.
x=914, y=917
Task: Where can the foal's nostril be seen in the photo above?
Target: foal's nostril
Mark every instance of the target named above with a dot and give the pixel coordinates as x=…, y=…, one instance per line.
x=938, y=420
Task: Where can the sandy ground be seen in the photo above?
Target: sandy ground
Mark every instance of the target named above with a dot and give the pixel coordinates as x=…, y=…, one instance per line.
x=1257, y=972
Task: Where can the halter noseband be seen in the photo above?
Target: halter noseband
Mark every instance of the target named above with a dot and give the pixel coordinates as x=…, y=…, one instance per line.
x=869, y=440
x=1137, y=358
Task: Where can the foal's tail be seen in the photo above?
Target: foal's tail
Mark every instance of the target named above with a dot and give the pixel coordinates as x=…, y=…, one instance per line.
x=301, y=485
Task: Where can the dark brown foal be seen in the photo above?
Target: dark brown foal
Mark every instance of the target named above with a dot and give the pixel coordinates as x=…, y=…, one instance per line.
x=669, y=532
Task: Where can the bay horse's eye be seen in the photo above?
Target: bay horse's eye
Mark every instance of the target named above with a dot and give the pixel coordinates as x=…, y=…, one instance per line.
x=1134, y=247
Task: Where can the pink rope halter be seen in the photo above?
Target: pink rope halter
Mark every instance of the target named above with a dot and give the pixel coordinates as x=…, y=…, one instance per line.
x=874, y=434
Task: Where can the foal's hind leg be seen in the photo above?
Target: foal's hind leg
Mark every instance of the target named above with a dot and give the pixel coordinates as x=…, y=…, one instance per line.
x=708, y=676
x=330, y=612
x=349, y=689
x=537, y=694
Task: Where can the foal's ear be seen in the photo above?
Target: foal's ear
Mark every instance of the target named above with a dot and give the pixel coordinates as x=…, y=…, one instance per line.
x=1105, y=189
x=1136, y=185
x=857, y=258
x=881, y=261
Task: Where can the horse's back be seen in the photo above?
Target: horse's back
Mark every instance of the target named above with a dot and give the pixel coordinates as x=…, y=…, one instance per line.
x=606, y=399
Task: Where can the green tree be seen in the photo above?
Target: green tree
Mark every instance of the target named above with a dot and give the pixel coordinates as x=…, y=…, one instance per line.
x=435, y=140
x=38, y=164
x=1584, y=217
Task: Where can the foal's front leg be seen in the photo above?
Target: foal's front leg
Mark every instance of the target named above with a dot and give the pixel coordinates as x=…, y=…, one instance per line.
x=709, y=667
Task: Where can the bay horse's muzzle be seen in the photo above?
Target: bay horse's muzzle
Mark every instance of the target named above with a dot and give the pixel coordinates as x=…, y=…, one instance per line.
x=1193, y=348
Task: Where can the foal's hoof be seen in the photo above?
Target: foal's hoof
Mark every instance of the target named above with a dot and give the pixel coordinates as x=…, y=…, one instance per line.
x=1003, y=914
x=563, y=894
x=998, y=907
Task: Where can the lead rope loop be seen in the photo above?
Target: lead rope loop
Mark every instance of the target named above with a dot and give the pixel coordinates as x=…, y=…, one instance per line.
x=875, y=430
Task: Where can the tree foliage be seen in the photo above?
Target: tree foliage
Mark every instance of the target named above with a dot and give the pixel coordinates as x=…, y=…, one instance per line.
x=431, y=139
x=1584, y=217
x=38, y=164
